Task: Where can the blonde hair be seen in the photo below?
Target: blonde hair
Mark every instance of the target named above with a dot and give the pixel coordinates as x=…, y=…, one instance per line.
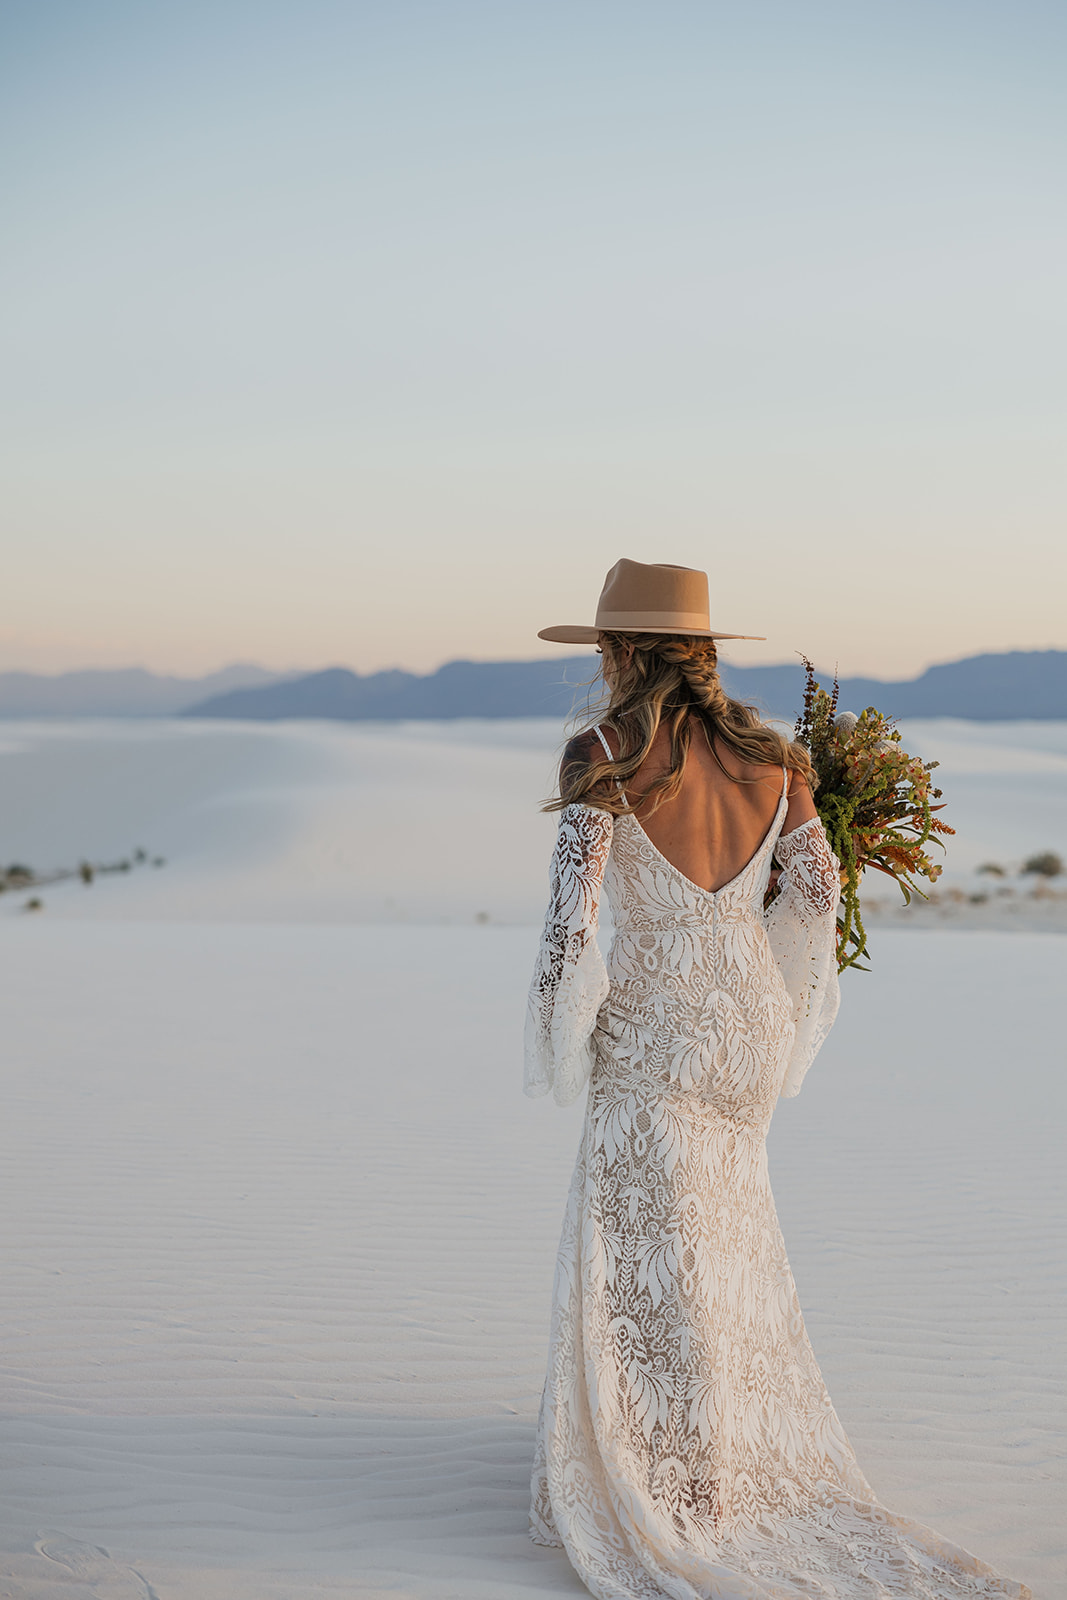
x=672, y=679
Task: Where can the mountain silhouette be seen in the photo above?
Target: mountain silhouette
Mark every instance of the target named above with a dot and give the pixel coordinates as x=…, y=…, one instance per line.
x=1014, y=685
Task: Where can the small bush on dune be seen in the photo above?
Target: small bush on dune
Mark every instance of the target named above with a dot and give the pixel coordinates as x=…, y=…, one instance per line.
x=1046, y=864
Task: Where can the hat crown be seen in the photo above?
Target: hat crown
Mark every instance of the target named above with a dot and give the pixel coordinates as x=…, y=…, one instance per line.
x=656, y=594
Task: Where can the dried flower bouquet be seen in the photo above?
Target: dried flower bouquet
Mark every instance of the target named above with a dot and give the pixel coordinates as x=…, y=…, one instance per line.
x=874, y=801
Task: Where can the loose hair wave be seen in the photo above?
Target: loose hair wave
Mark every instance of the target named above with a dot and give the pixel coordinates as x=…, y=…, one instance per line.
x=671, y=679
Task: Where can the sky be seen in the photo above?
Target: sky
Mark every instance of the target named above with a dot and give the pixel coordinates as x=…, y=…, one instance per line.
x=373, y=335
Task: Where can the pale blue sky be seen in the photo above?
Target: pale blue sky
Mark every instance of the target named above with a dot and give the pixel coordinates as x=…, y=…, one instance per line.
x=375, y=334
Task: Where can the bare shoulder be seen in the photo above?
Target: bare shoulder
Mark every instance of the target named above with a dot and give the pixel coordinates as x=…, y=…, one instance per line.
x=585, y=747
x=801, y=807
x=580, y=753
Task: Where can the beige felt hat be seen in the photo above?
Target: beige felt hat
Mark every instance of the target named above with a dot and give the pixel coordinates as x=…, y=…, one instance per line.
x=648, y=599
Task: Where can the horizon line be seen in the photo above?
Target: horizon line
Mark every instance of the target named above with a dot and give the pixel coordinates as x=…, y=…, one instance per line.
x=294, y=672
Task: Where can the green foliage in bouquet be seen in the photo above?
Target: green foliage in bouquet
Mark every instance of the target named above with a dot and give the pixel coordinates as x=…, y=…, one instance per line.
x=875, y=804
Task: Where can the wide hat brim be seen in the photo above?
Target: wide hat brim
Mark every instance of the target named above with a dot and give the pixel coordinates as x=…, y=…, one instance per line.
x=566, y=634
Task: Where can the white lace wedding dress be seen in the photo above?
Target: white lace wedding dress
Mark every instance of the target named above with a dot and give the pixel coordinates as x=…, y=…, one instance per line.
x=687, y=1446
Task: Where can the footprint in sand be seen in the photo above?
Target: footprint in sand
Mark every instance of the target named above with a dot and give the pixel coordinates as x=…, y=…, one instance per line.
x=92, y=1566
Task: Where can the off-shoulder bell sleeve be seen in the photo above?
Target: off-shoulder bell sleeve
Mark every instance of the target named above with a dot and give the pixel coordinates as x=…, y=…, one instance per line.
x=802, y=928
x=570, y=981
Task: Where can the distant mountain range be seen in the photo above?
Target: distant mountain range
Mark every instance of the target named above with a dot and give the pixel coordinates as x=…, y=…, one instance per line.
x=127, y=692
x=1017, y=684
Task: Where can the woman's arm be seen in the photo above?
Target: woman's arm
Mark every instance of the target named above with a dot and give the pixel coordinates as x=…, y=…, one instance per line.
x=801, y=925
x=801, y=809
x=570, y=981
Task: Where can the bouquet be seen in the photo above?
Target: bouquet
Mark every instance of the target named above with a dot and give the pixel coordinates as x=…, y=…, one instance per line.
x=875, y=802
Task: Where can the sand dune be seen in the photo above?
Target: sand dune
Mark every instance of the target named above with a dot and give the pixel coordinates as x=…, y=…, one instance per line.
x=277, y=1227
x=304, y=822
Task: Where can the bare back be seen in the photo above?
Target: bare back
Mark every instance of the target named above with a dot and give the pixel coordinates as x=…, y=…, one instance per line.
x=713, y=827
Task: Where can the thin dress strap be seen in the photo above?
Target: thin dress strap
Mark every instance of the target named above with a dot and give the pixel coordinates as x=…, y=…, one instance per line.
x=607, y=751
x=785, y=782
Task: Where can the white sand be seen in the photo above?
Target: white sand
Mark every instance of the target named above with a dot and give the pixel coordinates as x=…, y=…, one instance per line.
x=301, y=822
x=278, y=1228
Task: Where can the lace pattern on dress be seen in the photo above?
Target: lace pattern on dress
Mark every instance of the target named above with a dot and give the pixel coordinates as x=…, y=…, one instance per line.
x=570, y=981
x=801, y=926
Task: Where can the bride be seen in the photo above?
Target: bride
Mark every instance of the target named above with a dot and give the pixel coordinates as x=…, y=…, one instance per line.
x=687, y=1446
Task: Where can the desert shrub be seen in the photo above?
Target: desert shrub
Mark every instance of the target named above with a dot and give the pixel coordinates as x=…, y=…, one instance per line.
x=993, y=868
x=1046, y=864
